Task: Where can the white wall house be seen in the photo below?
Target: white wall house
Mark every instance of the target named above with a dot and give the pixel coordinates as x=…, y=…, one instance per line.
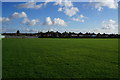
x=1, y=36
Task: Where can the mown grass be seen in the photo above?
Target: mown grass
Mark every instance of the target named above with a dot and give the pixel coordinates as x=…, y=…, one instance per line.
x=60, y=58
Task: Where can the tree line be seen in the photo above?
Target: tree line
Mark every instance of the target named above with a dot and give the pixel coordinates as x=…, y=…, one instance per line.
x=52, y=34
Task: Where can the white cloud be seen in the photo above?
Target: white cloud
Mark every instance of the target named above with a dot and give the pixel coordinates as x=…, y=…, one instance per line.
x=66, y=3
x=56, y=21
x=77, y=19
x=60, y=9
x=18, y=15
x=110, y=24
x=4, y=19
x=30, y=22
x=82, y=16
x=48, y=21
x=15, y=15
x=25, y=20
x=47, y=1
x=67, y=7
x=71, y=11
x=33, y=22
x=59, y=22
x=29, y=5
x=104, y=3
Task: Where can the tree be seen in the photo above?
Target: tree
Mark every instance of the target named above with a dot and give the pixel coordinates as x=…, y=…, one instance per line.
x=18, y=31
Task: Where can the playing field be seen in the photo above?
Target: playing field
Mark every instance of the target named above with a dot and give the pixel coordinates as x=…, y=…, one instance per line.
x=60, y=58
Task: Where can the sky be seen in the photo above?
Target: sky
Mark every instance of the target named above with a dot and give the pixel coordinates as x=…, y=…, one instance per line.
x=97, y=17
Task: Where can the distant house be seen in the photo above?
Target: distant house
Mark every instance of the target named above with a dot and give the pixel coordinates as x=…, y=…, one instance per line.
x=93, y=35
x=74, y=35
x=1, y=36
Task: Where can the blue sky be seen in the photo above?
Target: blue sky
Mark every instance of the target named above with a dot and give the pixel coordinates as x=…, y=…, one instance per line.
x=87, y=18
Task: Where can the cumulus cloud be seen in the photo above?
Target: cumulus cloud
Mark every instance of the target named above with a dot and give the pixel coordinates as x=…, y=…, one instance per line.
x=25, y=20
x=67, y=7
x=30, y=22
x=104, y=3
x=15, y=15
x=4, y=19
x=29, y=5
x=79, y=18
x=60, y=9
x=82, y=16
x=33, y=22
x=110, y=24
x=59, y=22
x=48, y=21
x=56, y=21
x=66, y=3
x=18, y=15
x=71, y=11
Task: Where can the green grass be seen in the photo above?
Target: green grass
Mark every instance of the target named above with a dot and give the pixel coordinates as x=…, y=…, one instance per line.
x=60, y=58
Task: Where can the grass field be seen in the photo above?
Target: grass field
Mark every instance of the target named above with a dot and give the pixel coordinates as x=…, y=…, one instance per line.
x=60, y=58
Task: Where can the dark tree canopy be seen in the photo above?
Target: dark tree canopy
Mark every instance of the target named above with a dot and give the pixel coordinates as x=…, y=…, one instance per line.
x=18, y=31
